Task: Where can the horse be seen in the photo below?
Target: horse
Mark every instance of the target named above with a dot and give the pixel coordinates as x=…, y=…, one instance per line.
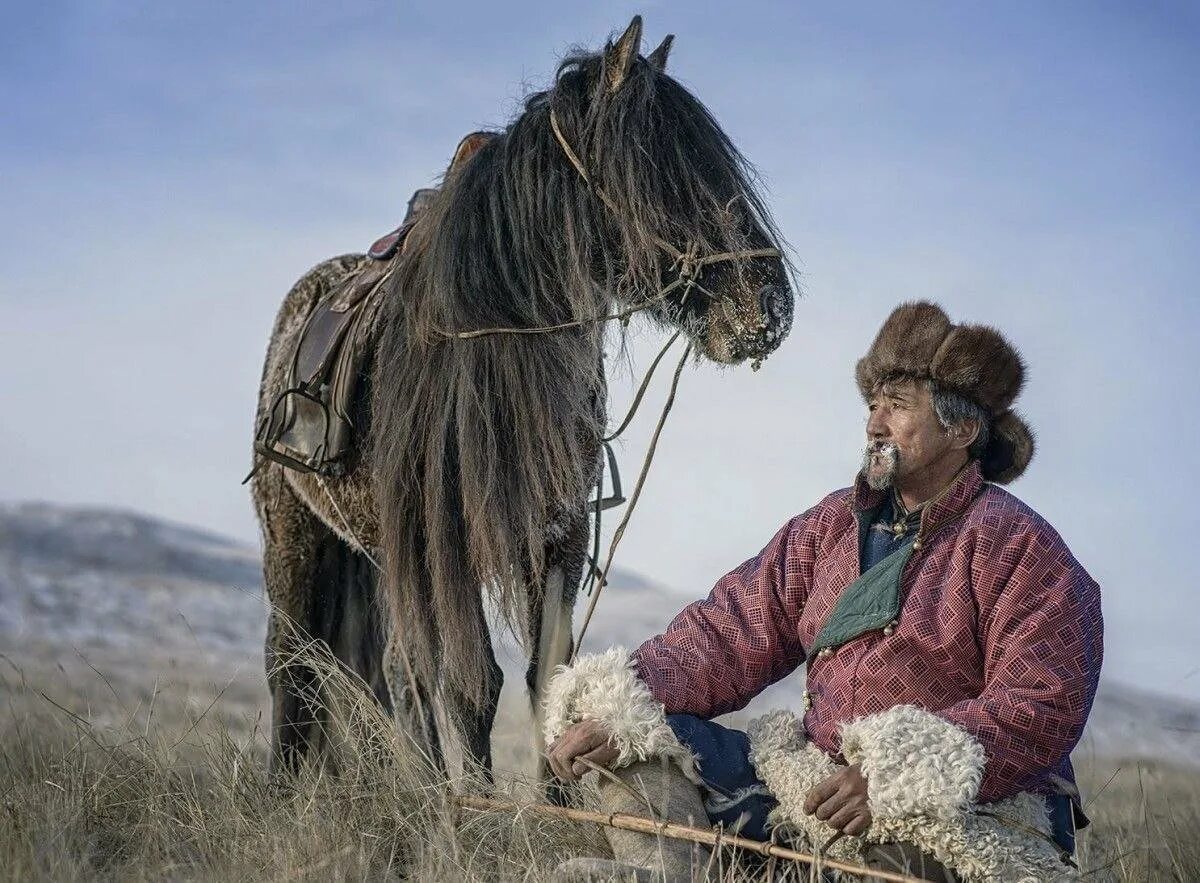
x=480, y=418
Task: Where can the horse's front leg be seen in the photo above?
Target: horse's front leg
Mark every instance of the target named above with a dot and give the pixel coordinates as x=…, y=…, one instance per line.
x=550, y=611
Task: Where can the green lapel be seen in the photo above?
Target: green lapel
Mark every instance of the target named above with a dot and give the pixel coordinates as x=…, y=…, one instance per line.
x=870, y=602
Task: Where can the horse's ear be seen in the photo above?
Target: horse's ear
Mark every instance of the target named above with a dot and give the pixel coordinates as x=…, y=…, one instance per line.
x=619, y=57
x=658, y=58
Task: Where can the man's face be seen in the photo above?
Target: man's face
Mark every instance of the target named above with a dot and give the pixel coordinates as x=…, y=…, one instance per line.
x=904, y=436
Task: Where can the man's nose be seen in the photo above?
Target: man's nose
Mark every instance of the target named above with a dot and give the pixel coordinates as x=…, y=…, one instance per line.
x=876, y=424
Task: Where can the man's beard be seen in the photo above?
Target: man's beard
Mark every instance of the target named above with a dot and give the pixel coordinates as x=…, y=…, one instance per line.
x=889, y=459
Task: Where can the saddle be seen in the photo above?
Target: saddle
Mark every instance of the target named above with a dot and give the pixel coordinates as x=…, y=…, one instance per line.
x=309, y=425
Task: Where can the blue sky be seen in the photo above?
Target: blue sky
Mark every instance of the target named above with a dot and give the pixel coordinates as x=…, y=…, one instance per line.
x=169, y=169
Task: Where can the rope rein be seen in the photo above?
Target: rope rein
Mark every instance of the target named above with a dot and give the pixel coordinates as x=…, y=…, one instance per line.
x=633, y=500
x=641, y=393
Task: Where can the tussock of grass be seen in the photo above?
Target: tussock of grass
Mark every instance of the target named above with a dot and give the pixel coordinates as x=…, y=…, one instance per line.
x=167, y=789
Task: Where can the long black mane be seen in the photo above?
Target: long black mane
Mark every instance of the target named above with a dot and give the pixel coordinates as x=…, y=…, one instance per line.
x=478, y=445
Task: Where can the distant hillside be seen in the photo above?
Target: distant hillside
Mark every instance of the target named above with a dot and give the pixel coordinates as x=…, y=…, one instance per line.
x=139, y=598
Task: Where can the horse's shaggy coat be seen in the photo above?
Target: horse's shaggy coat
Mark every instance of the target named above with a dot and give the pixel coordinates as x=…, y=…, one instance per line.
x=480, y=454
x=481, y=444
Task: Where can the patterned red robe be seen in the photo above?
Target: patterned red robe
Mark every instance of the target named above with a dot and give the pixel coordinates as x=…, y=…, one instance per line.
x=1000, y=632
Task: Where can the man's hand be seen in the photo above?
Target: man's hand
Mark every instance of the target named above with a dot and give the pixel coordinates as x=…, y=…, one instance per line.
x=586, y=740
x=841, y=801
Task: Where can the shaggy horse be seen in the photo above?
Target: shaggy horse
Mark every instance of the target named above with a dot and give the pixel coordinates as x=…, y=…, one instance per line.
x=477, y=454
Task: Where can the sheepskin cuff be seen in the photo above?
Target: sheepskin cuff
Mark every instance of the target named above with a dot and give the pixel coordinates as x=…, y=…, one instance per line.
x=916, y=763
x=605, y=687
x=917, y=766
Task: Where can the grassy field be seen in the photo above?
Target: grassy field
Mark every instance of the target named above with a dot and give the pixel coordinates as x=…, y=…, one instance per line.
x=104, y=780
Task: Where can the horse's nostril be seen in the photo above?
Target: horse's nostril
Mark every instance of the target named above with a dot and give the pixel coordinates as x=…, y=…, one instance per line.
x=774, y=301
x=777, y=304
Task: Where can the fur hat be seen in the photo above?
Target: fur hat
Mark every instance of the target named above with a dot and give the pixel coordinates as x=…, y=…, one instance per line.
x=918, y=340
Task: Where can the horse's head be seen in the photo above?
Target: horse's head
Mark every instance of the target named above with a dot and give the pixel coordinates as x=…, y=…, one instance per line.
x=673, y=201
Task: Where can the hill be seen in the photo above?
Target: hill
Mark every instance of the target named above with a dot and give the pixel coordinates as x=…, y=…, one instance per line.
x=139, y=598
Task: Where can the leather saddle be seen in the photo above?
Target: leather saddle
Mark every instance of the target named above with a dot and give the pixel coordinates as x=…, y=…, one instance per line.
x=310, y=425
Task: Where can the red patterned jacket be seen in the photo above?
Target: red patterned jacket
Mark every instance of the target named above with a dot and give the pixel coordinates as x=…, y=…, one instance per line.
x=1000, y=632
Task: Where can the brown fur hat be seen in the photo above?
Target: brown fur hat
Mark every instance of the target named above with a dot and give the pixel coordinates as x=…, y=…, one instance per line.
x=918, y=340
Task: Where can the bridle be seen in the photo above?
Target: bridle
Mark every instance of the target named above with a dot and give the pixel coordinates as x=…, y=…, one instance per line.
x=687, y=261
x=687, y=264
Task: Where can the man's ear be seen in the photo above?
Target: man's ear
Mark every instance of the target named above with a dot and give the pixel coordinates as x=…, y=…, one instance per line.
x=964, y=433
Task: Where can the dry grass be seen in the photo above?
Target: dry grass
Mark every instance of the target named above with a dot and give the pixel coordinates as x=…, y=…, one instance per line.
x=169, y=789
x=165, y=786
x=1145, y=821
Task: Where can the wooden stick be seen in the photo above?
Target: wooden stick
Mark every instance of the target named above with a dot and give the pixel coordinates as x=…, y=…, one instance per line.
x=641, y=824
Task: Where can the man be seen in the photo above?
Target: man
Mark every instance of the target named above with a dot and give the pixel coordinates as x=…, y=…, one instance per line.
x=953, y=647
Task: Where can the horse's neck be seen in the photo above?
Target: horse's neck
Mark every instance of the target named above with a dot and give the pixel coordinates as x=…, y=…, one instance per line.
x=594, y=341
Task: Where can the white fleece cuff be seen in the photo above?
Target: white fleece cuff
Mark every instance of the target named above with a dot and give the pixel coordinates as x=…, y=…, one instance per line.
x=922, y=771
x=605, y=687
x=915, y=762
